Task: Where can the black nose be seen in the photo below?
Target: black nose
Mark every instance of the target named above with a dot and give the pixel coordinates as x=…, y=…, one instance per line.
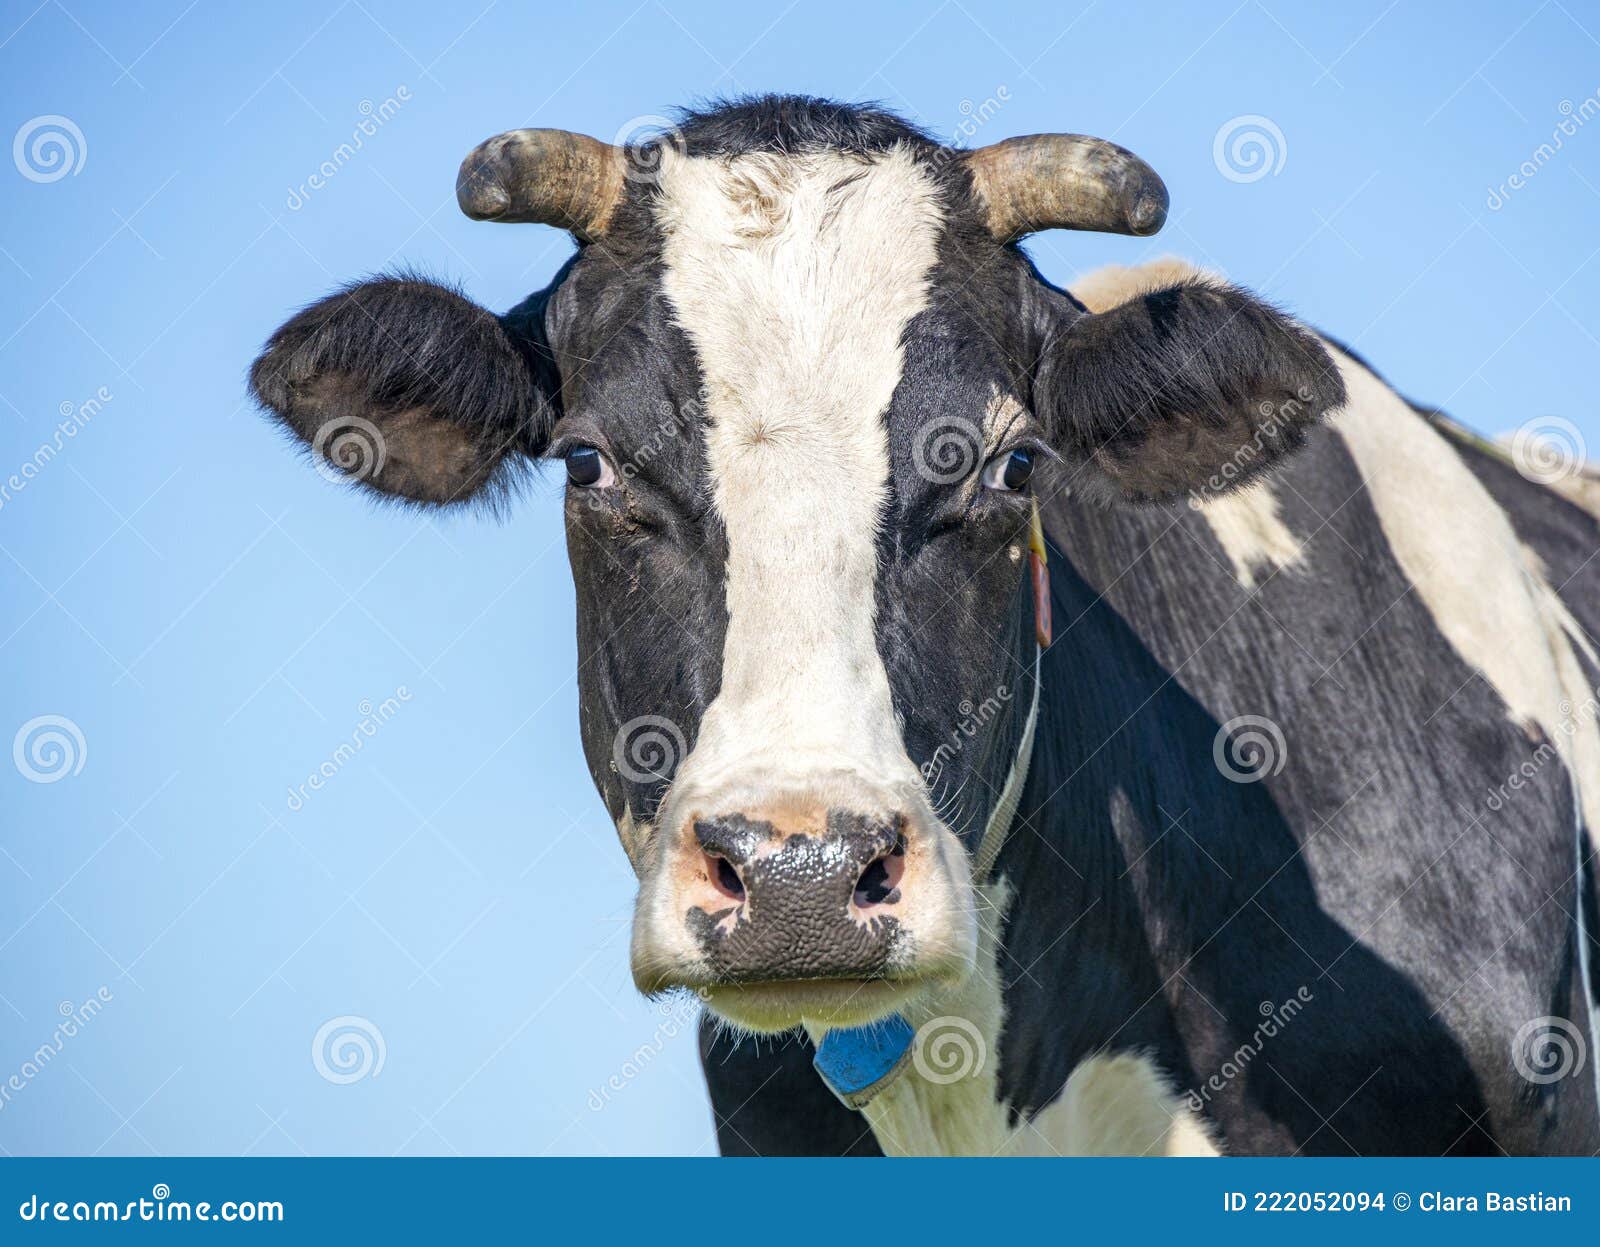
x=814, y=904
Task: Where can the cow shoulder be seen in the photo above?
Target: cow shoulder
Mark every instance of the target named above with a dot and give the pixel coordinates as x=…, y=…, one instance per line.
x=1487, y=591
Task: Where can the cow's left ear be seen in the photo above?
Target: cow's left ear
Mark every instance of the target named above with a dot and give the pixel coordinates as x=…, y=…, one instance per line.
x=1196, y=388
x=411, y=390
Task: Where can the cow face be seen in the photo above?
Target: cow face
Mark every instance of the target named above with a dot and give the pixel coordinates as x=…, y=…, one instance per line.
x=806, y=393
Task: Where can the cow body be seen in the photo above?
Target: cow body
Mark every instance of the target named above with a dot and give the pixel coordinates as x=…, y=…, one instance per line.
x=1301, y=858
x=1152, y=911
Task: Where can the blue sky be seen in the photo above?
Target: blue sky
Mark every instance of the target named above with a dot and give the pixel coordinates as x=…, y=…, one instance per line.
x=212, y=619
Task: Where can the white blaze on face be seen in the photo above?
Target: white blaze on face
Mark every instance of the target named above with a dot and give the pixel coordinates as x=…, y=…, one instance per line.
x=795, y=276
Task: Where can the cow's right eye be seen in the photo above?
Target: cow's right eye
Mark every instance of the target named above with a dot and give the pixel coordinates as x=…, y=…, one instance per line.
x=588, y=468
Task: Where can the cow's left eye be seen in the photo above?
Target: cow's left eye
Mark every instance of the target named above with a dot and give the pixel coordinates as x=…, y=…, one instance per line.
x=588, y=468
x=1009, y=472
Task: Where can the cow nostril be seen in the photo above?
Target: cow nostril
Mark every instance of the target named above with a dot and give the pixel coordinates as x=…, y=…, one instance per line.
x=873, y=886
x=724, y=877
x=880, y=881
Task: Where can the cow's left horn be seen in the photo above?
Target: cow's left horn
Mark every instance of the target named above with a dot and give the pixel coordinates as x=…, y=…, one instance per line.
x=552, y=177
x=1066, y=181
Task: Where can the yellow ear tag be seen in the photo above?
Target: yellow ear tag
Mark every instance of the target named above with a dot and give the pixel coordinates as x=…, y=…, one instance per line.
x=1039, y=565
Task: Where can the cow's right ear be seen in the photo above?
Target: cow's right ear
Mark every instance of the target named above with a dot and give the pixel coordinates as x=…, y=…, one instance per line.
x=411, y=389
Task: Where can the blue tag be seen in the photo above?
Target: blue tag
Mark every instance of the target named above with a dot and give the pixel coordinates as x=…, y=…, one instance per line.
x=861, y=1061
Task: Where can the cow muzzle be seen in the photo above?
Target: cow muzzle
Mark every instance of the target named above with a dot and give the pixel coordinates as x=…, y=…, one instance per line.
x=832, y=908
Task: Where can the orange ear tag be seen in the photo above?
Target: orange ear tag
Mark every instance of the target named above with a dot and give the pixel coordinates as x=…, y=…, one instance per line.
x=1039, y=566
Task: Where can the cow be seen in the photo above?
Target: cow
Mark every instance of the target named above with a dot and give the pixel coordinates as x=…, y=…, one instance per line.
x=1105, y=721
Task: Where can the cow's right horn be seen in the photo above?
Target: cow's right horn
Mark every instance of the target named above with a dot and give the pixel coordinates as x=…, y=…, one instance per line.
x=551, y=177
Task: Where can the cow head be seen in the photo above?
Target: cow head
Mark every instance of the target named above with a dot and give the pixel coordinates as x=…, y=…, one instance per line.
x=806, y=390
